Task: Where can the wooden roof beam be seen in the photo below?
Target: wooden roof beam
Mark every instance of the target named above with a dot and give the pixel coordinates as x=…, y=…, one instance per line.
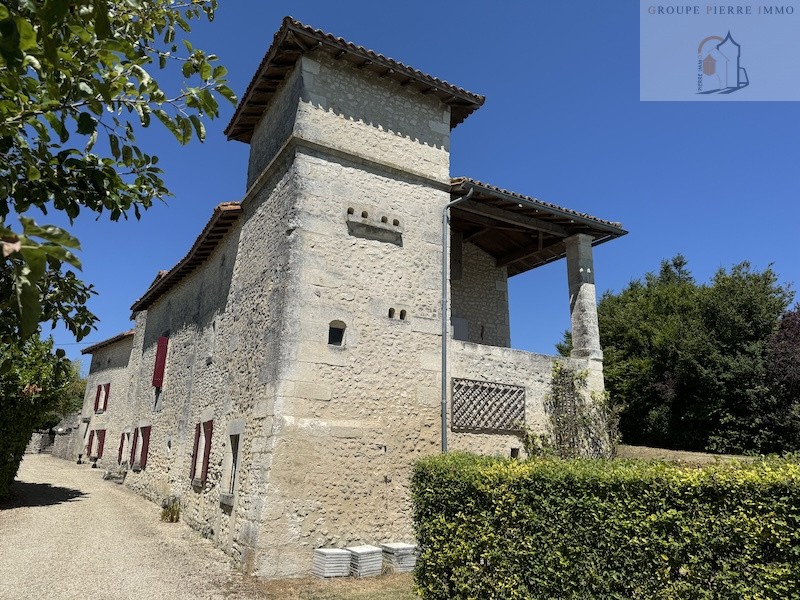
x=529, y=252
x=506, y=216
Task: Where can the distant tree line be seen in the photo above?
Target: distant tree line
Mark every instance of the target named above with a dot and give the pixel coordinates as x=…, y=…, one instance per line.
x=712, y=367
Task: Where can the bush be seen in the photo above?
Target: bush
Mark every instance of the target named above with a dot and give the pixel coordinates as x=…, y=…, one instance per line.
x=547, y=528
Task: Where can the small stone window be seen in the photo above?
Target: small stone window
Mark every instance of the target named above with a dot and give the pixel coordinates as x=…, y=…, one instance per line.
x=384, y=219
x=402, y=315
x=364, y=214
x=336, y=333
x=391, y=313
x=350, y=211
x=396, y=222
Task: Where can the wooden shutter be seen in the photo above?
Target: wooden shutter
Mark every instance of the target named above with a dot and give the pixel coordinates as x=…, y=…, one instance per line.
x=133, y=446
x=101, y=440
x=121, y=445
x=105, y=400
x=208, y=428
x=97, y=398
x=89, y=445
x=145, y=446
x=161, y=360
x=194, y=451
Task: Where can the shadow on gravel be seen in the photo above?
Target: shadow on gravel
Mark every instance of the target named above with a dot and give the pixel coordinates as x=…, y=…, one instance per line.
x=38, y=494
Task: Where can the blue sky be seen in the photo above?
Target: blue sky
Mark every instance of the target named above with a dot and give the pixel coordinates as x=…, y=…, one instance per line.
x=716, y=181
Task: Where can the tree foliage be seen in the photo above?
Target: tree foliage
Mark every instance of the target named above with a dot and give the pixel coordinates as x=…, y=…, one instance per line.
x=691, y=363
x=76, y=84
x=36, y=382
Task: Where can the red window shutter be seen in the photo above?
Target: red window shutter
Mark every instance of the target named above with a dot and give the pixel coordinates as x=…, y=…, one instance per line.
x=208, y=428
x=161, y=360
x=145, y=446
x=101, y=440
x=89, y=445
x=119, y=452
x=105, y=400
x=97, y=398
x=194, y=451
x=133, y=445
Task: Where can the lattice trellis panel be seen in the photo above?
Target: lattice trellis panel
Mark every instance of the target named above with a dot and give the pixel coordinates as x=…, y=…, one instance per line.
x=487, y=406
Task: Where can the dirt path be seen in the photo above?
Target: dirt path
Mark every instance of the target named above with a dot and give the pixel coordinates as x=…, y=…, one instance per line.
x=69, y=534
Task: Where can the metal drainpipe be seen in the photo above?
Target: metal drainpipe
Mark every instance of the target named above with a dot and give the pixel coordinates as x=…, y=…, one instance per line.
x=445, y=261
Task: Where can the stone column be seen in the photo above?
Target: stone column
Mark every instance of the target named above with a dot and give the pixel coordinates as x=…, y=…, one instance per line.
x=582, y=298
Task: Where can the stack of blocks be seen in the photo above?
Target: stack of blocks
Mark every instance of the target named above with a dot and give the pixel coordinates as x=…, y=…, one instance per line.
x=365, y=561
x=331, y=562
x=400, y=558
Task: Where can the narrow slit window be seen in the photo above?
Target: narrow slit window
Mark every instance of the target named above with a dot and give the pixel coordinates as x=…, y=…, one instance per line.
x=402, y=315
x=336, y=333
x=391, y=313
x=234, y=463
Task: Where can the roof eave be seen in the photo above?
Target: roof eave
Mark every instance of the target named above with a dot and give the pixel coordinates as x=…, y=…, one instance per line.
x=294, y=39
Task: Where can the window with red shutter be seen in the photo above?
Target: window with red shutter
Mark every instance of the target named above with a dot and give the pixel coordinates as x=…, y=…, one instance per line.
x=97, y=398
x=105, y=396
x=121, y=446
x=208, y=428
x=161, y=361
x=101, y=440
x=145, y=446
x=91, y=442
x=133, y=446
x=193, y=468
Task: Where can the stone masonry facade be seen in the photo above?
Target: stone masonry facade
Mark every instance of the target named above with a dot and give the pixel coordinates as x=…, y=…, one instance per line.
x=283, y=377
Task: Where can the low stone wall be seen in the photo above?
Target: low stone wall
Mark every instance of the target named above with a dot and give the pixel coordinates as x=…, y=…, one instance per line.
x=39, y=442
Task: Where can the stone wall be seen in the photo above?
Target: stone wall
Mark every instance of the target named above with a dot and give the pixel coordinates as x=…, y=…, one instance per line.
x=40, y=442
x=109, y=366
x=480, y=297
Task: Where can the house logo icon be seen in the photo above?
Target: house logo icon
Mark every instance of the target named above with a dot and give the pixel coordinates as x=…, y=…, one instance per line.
x=718, y=66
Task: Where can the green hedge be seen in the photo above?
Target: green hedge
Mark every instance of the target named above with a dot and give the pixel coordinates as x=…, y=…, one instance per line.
x=497, y=528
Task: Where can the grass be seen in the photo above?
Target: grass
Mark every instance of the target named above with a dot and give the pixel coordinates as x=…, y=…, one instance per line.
x=385, y=587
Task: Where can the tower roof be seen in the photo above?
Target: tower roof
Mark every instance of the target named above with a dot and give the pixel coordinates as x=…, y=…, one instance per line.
x=294, y=39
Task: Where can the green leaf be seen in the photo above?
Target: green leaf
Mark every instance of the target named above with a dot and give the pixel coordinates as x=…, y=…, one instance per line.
x=102, y=25
x=86, y=124
x=198, y=127
x=27, y=35
x=114, y=143
x=33, y=173
x=51, y=233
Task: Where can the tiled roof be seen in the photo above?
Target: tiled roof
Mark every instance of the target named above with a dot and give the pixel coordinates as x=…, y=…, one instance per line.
x=519, y=231
x=459, y=182
x=113, y=340
x=224, y=216
x=294, y=39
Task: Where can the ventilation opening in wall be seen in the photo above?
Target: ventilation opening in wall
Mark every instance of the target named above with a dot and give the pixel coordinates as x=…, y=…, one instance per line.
x=402, y=315
x=336, y=333
x=350, y=211
x=391, y=313
x=515, y=453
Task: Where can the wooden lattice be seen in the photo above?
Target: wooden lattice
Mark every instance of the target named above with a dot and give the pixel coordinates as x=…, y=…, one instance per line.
x=487, y=406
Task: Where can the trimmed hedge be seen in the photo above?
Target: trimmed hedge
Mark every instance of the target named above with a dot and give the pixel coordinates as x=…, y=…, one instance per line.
x=546, y=528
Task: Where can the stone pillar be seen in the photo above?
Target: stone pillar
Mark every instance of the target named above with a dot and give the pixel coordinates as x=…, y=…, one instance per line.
x=582, y=298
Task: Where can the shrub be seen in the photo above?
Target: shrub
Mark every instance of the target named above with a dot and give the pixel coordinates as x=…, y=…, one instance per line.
x=549, y=528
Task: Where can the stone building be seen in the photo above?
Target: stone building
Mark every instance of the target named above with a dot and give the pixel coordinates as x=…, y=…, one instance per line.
x=284, y=375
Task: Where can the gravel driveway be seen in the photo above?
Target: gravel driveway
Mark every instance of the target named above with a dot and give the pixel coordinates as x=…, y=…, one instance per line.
x=69, y=534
